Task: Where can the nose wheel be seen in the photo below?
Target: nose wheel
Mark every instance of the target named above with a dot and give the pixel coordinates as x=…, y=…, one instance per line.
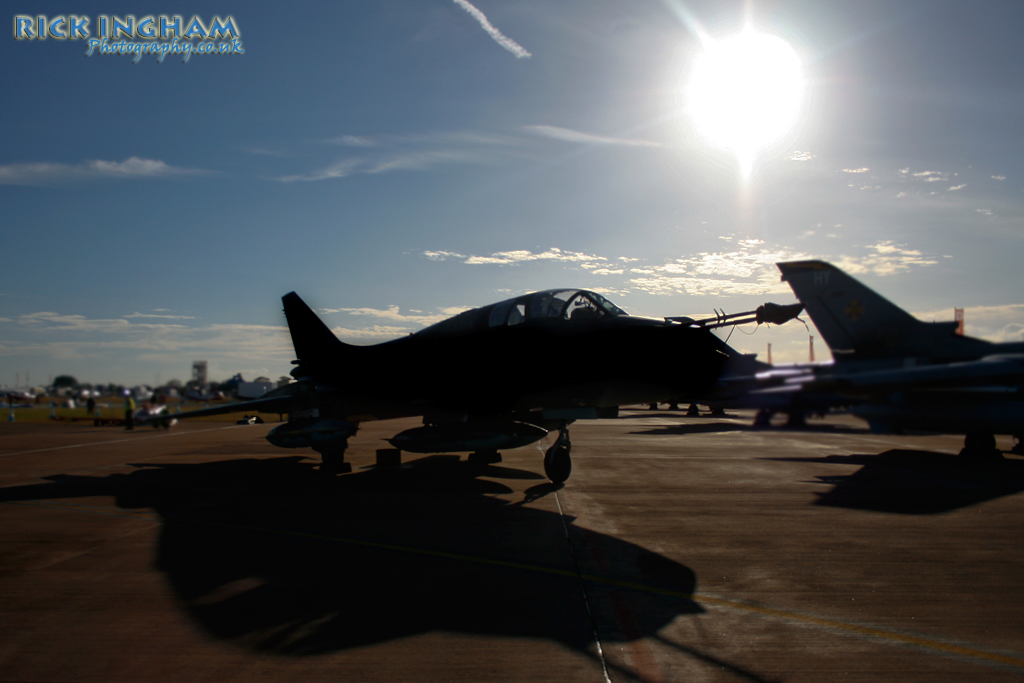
x=557, y=461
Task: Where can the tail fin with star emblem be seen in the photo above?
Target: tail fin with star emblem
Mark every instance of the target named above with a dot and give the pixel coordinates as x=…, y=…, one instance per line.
x=857, y=323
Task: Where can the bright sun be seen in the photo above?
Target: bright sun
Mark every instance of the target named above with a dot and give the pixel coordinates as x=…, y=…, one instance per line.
x=744, y=92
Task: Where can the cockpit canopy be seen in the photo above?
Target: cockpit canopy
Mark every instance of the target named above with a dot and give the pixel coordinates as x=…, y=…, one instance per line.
x=570, y=305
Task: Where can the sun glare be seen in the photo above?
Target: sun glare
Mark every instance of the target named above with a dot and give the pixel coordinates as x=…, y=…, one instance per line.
x=744, y=92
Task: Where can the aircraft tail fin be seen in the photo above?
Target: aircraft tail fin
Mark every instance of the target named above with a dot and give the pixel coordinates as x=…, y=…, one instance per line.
x=857, y=322
x=313, y=340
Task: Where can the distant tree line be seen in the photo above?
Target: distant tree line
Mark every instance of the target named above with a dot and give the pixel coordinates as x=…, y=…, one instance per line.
x=69, y=383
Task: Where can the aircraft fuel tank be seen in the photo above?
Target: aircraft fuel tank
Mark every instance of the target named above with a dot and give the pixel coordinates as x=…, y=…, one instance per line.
x=468, y=437
x=313, y=433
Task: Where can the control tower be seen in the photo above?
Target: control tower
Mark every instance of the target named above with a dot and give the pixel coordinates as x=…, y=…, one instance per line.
x=199, y=373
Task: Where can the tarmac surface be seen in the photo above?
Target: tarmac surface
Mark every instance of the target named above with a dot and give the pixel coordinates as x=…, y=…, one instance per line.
x=680, y=549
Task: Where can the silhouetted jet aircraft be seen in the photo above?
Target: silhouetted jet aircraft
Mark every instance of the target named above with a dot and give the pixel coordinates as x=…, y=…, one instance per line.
x=492, y=378
x=903, y=374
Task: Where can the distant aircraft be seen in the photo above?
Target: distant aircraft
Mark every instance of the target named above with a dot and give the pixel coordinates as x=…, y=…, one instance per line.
x=904, y=374
x=149, y=412
x=492, y=378
x=746, y=382
x=12, y=395
x=203, y=396
x=142, y=393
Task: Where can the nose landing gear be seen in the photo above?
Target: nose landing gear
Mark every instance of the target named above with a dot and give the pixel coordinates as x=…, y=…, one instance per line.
x=557, y=460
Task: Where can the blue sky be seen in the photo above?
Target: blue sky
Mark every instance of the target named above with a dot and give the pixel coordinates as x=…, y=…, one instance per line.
x=395, y=162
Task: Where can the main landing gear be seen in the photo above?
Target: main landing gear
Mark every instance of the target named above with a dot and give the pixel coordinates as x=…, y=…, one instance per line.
x=557, y=460
x=557, y=463
x=333, y=461
x=980, y=447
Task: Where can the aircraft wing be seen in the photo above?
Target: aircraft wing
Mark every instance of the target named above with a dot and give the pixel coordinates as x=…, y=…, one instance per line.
x=990, y=371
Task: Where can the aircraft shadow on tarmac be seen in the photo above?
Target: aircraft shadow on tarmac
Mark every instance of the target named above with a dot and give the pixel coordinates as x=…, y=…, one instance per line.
x=684, y=428
x=917, y=482
x=268, y=554
x=694, y=428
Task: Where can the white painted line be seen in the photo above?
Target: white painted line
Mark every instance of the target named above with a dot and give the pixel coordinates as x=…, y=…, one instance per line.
x=583, y=588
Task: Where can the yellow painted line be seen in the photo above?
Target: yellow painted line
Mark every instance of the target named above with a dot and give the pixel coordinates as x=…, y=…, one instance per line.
x=132, y=439
x=94, y=509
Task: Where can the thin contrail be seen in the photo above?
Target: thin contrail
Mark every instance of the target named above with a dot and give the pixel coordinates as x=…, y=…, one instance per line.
x=500, y=38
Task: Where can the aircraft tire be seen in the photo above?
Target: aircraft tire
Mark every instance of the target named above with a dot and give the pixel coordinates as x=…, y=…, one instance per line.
x=331, y=468
x=980, y=447
x=333, y=462
x=557, y=463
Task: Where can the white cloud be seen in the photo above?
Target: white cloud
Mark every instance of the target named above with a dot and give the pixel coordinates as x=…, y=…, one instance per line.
x=156, y=315
x=48, y=174
x=416, y=152
x=521, y=256
x=749, y=270
x=394, y=313
x=800, y=156
x=132, y=167
x=341, y=169
x=512, y=46
x=420, y=161
x=999, y=177
x=587, y=138
x=51, y=321
x=856, y=170
x=984, y=212
x=702, y=286
x=411, y=161
x=957, y=187
x=889, y=258
x=442, y=255
x=929, y=176
x=353, y=141
x=372, y=334
x=456, y=137
x=440, y=137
